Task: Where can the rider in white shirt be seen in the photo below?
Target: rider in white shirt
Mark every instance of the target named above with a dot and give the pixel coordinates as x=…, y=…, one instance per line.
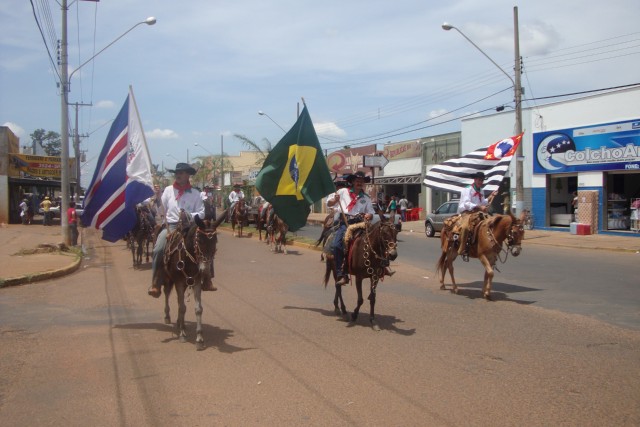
x=234, y=197
x=472, y=200
x=176, y=198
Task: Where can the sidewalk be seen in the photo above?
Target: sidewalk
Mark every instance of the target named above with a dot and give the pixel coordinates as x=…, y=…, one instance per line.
x=630, y=243
x=19, y=269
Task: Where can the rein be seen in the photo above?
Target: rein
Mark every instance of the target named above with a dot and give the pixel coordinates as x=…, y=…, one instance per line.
x=177, y=244
x=384, y=247
x=509, y=242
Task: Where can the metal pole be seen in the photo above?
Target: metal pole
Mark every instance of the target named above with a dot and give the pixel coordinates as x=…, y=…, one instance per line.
x=76, y=149
x=222, y=171
x=64, y=130
x=518, y=101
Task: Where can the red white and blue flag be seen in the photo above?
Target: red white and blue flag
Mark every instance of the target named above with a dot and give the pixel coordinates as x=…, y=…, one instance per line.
x=122, y=177
x=455, y=174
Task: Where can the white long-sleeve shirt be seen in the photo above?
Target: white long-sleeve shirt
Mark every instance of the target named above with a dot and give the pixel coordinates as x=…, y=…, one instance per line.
x=363, y=203
x=190, y=201
x=470, y=199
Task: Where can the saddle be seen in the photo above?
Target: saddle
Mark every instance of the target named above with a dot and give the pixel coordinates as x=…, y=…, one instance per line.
x=453, y=225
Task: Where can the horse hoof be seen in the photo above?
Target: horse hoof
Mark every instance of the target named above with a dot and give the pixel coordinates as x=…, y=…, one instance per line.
x=487, y=297
x=442, y=288
x=183, y=339
x=456, y=291
x=167, y=320
x=375, y=327
x=200, y=345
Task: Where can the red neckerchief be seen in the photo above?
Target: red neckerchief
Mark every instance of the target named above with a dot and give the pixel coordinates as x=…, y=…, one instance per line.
x=182, y=189
x=354, y=199
x=477, y=192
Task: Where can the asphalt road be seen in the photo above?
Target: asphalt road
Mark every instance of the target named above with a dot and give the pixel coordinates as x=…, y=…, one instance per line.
x=599, y=284
x=91, y=349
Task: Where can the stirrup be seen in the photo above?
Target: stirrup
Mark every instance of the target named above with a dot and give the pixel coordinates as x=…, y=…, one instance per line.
x=465, y=257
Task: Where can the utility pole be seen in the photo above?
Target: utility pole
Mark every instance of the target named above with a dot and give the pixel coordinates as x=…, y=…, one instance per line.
x=76, y=148
x=64, y=130
x=518, y=101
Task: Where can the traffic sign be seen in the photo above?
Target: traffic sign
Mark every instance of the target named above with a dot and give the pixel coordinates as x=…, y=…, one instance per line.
x=374, y=161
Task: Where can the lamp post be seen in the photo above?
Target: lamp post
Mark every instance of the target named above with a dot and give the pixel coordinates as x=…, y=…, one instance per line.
x=65, y=83
x=262, y=113
x=169, y=155
x=517, y=98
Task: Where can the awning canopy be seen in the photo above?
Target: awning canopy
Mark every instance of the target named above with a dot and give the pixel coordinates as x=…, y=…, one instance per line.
x=403, y=171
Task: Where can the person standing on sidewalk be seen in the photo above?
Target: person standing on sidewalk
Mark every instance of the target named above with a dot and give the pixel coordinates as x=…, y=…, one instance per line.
x=46, y=211
x=24, y=212
x=72, y=219
x=403, y=203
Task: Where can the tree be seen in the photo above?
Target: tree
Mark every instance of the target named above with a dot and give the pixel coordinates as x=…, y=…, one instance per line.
x=251, y=145
x=50, y=141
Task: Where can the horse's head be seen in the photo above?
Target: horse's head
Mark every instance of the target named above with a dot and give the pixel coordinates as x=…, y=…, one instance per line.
x=205, y=239
x=388, y=240
x=516, y=235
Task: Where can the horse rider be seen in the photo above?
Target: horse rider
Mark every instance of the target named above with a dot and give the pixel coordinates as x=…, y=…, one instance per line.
x=234, y=197
x=353, y=204
x=472, y=208
x=176, y=198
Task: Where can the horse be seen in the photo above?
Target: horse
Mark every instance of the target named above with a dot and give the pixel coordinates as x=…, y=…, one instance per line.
x=327, y=228
x=188, y=259
x=276, y=236
x=140, y=237
x=239, y=217
x=368, y=255
x=263, y=220
x=490, y=236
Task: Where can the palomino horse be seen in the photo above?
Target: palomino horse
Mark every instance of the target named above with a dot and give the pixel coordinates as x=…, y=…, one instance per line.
x=239, y=217
x=277, y=234
x=490, y=237
x=141, y=236
x=368, y=256
x=188, y=262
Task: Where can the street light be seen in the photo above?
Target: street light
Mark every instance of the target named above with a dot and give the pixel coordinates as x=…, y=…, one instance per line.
x=65, y=83
x=262, y=113
x=198, y=145
x=517, y=97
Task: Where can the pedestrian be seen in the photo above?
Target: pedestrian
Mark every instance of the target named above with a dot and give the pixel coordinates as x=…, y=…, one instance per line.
x=403, y=203
x=574, y=205
x=24, y=212
x=72, y=219
x=392, y=209
x=46, y=211
x=353, y=205
x=472, y=206
x=176, y=198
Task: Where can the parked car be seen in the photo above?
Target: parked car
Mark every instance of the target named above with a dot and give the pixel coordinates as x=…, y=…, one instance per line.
x=435, y=219
x=397, y=221
x=53, y=210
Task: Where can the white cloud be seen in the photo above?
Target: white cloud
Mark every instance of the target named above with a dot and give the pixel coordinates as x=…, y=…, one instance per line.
x=17, y=130
x=161, y=134
x=329, y=129
x=105, y=104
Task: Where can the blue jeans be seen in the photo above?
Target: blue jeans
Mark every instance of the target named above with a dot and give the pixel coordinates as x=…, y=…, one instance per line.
x=157, y=261
x=338, y=250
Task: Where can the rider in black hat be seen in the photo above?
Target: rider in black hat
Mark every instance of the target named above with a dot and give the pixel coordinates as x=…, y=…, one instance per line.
x=352, y=204
x=176, y=198
x=472, y=206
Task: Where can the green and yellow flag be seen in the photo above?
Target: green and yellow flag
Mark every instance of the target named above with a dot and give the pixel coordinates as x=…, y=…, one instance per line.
x=295, y=174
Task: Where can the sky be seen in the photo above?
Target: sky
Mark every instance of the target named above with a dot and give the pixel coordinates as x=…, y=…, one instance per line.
x=370, y=72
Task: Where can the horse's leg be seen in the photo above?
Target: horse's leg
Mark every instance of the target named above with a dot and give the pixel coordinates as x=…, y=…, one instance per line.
x=488, y=276
x=182, y=308
x=167, y=293
x=354, y=316
x=453, y=254
x=197, y=297
x=372, y=303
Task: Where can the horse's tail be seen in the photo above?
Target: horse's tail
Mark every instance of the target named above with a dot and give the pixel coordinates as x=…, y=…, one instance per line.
x=441, y=262
x=444, y=244
x=328, y=268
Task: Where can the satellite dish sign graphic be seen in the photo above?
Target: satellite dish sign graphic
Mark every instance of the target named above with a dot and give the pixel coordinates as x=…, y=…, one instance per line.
x=551, y=148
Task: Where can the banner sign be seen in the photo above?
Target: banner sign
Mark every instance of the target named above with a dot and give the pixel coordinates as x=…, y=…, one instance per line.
x=609, y=146
x=402, y=150
x=37, y=166
x=350, y=160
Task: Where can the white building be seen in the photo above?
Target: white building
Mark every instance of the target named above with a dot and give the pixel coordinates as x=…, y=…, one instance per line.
x=590, y=145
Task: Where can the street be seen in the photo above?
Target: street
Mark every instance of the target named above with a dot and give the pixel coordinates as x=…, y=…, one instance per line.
x=91, y=349
x=599, y=284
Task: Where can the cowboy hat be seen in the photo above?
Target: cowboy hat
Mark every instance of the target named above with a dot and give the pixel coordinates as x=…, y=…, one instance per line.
x=359, y=174
x=183, y=167
x=479, y=175
x=237, y=186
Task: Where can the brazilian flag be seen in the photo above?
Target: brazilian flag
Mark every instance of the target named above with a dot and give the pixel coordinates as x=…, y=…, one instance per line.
x=295, y=174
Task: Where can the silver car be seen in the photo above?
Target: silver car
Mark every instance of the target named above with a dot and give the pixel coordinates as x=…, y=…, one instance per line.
x=435, y=219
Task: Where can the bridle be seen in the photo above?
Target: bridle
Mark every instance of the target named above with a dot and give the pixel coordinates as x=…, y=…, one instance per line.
x=198, y=256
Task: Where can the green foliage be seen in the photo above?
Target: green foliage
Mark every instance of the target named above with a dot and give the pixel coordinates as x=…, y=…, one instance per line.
x=251, y=145
x=50, y=141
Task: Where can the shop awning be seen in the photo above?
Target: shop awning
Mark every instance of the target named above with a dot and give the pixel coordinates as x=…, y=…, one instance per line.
x=403, y=171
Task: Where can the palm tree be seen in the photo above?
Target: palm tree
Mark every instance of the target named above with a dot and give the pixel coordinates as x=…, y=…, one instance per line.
x=263, y=152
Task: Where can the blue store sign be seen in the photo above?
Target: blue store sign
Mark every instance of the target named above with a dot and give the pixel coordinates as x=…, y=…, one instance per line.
x=611, y=146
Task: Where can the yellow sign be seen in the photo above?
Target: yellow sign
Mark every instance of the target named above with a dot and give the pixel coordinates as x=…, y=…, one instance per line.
x=38, y=166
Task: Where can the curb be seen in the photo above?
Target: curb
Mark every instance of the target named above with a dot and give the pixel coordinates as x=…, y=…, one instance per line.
x=40, y=276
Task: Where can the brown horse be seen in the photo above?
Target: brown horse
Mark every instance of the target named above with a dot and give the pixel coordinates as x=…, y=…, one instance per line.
x=327, y=228
x=188, y=262
x=490, y=237
x=263, y=220
x=277, y=234
x=239, y=217
x=141, y=236
x=368, y=255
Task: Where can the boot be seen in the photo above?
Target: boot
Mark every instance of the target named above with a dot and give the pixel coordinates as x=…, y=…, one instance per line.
x=388, y=271
x=207, y=285
x=154, y=291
